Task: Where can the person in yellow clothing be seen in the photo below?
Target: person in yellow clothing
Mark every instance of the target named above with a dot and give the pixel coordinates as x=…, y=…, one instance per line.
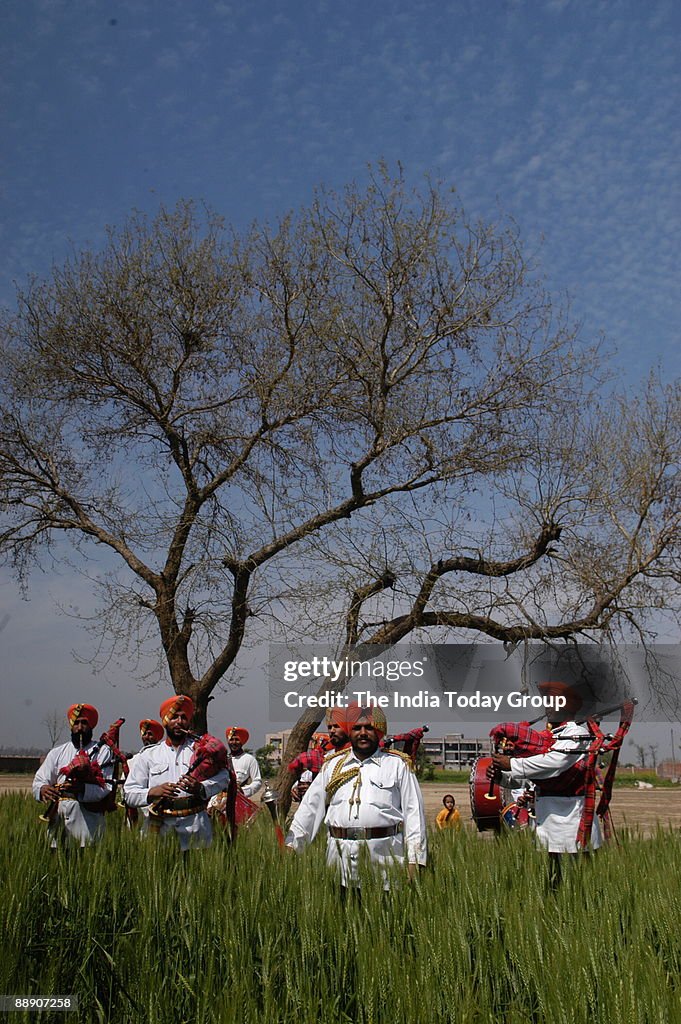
x=449, y=816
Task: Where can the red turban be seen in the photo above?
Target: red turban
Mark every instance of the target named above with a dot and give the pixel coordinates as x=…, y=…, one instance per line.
x=356, y=715
x=336, y=716
x=573, y=701
x=154, y=727
x=171, y=707
x=86, y=711
x=237, y=732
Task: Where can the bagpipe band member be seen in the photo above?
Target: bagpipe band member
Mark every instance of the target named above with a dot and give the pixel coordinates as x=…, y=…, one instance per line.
x=369, y=799
x=561, y=774
x=175, y=778
x=74, y=782
x=151, y=732
x=246, y=767
x=307, y=766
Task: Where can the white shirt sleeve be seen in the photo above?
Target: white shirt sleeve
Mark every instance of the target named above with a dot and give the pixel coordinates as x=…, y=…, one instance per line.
x=309, y=816
x=543, y=766
x=47, y=773
x=557, y=760
x=255, y=780
x=216, y=784
x=136, y=786
x=414, y=818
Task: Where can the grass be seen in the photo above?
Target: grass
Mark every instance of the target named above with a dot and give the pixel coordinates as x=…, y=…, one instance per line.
x=443, y=775
x=626, y=779
x=248, y=935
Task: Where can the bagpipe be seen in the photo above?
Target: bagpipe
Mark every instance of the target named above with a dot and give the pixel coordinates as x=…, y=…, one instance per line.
x=309, y=761
x=407, y=742
x=519, y=739
x=209, y=756
x=84, y=769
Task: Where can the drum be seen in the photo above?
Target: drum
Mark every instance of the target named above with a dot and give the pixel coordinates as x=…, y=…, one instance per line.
x=245, y=809
x=515, y=818
x=485, y=808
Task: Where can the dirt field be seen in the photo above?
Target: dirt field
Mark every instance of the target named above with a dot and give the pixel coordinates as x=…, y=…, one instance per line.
x=637, y=809
x=641, y=810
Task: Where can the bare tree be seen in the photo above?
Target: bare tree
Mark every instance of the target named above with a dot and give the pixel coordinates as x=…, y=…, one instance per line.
x=369, y=415
x=55, y=722
x=641, y=751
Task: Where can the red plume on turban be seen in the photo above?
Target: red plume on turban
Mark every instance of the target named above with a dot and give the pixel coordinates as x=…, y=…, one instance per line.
x=154, y=727
x=86, y=711
x=354, y=714
x=171, y=707
x=237, y=732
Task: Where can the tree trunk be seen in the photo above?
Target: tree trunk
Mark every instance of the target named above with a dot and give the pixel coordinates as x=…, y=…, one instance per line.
x=298, y=742
x=200, y=712
x=200, y=697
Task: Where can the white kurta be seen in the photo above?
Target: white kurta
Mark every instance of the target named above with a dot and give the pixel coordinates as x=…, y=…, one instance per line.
x=247, y=772
x=388, y=795
x=161, y=762
x=558, y=817
x=81, y=825
x=145, y=810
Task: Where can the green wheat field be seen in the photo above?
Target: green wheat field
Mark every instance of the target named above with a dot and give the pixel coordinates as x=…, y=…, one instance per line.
x=251, y=935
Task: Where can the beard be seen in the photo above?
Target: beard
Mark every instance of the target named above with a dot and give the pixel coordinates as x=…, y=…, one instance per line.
x=177, y=733
x=81, y=739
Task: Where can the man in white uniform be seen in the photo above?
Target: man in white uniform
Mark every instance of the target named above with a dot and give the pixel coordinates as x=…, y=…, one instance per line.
x=246, y=767
x=370, y=801
x=158, y=779
x=79, y=807
x=151, y=732
x=559, y=799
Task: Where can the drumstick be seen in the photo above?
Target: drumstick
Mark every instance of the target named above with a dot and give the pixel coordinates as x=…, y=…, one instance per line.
x=489, y=795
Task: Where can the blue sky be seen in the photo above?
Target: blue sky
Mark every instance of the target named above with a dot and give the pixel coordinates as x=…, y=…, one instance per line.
x=563, y=114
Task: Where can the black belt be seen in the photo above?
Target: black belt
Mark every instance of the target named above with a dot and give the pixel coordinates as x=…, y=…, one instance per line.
x=364, y=833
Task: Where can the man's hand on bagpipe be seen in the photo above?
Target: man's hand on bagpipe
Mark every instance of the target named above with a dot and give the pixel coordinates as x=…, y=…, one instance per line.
x=49, y=793
x=168, y=790
x=165, y=791
x=189, y=784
